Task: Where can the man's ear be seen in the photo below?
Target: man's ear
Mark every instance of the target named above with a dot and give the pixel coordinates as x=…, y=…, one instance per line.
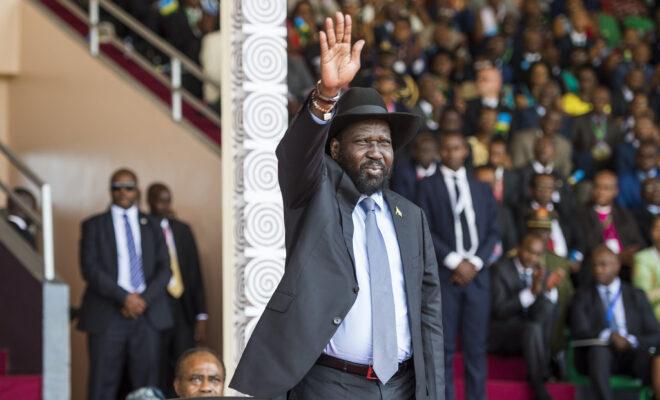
x=334, y=148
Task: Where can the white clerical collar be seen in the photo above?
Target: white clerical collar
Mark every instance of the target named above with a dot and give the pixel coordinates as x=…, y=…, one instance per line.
x=18, y=221
x=491, y=102
x=602, y=209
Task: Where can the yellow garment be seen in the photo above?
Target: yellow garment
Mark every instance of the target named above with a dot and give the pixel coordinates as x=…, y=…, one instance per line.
x=175, y=287
x=646, y=276
x=479, y=152
x=574, y=106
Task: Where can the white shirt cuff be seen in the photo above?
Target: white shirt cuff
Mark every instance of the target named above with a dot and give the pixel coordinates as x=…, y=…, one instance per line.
x=319, y=120
x=477, y=262
x=526, y=297
x=633, y=341
x=605, y=335
x=452, y=260
x=552, y=295
x=202, y=317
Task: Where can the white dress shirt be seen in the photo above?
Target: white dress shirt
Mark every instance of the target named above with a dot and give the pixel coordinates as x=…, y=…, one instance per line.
x=459, y=254
x=353, y=339
x=619, y=312
x=526, y=296
x=123, y=260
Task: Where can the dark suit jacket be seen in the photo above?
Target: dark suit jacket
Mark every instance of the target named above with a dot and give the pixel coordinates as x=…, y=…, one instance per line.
x=584, y=140
x=645, y=220
x=319, y=285
x=192, y=299
x=525, y=178
x=588, y=315
x=505, y=287
x=433, y=198
x=104, y=298
x=623, y=221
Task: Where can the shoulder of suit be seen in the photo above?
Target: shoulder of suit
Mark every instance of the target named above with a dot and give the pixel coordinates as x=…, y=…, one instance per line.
x=95, y=218
x=401, y=202
x=179, y=224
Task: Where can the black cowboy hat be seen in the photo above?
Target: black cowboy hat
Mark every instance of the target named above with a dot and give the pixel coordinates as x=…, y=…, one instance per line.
x=359, y=104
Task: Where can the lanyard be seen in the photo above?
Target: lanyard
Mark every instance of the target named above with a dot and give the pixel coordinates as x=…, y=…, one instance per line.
x=609, y=313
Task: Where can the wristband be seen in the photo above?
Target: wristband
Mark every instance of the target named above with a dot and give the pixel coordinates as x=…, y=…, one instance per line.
x=326, y=98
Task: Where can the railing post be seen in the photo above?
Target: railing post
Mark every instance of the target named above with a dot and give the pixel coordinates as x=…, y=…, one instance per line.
x=94, y=27
x=176, y=89
x=47, y=231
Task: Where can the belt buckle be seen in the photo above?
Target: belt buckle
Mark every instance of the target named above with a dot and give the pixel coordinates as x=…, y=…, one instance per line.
x=371, y=374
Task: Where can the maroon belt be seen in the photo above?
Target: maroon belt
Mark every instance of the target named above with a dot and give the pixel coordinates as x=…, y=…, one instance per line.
x=366, y=371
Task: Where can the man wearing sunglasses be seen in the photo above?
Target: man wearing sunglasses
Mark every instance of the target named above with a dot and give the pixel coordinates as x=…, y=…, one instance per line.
x=125, y=262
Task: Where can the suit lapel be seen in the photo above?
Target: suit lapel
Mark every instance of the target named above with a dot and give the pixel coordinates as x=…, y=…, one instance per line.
x=629, y=309
x=109, y=227
x=347, y=198
x=146, y=242
x=405, y=236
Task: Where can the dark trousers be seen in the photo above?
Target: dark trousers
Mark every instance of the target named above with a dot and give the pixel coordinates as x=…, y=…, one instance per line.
x=527, y=337
x=600, y=362
x=131, y=343
x=466, y=308
x=174, y=342
x=332, y=384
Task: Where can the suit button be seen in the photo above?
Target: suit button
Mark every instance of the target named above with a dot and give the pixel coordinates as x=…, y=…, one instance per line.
x=336, y=321
x=356, y=289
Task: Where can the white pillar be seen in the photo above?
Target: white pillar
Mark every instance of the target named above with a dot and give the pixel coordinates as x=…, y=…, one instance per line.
x=254, y=118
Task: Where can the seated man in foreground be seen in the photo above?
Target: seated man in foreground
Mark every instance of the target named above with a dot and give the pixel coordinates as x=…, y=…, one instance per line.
x=616, y=324
x=199, y=373
x=524, y=305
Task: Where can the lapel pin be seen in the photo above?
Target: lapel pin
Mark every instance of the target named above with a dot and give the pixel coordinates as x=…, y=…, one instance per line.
x=398, y=212
x=143, y=221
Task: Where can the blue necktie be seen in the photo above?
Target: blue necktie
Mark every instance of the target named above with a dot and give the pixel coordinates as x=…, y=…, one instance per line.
x=609, y=311
x=383, y=318
x=135, y=262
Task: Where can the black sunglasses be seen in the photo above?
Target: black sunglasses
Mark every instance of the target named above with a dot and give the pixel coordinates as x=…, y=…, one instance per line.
x=128, y=186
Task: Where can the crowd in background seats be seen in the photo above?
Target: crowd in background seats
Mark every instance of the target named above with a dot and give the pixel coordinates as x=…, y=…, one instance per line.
x=559, y=104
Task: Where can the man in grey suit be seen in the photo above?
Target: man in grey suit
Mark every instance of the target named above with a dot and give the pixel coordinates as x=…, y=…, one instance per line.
x=357, y=314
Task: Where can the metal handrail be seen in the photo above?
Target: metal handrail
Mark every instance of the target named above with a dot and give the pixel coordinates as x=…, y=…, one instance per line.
x=45, y=221
x=178, y=60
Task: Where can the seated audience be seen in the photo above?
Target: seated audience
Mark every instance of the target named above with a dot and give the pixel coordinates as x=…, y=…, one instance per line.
x=614, y=327
x=565, y=239
x=18, y=219
x=524, y=304
x=650, y=209
x=644, y=129
x=523, y=144
x=604, y=222
x=543, y=162
x=647, y=166
x=199, y=373
x=480, y=139
x=506, y=184
x=509, y=232
x=595, y=136
x=646, y=274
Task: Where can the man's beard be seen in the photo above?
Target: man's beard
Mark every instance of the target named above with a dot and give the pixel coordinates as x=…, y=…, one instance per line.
x=364, y=184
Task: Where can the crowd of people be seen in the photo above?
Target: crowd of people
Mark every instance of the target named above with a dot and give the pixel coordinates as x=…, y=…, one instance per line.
x=555, y=106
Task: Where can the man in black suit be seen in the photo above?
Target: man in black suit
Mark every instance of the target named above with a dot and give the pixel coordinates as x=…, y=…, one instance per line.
x=619, y=320
x=509, y=232
x=18, y=218
x=357, y=313
x=463, y=218
x=185, y=289
x=124, y=261
x=422, y=163
x=524, y=309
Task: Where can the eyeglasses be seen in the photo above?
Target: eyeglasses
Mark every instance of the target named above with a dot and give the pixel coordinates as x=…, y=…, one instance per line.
x=128, y=186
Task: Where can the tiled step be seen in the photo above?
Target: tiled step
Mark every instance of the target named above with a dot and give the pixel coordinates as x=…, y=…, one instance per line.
x=23, y=387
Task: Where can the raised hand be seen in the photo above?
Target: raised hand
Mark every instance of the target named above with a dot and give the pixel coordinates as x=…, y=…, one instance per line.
x=339, y=60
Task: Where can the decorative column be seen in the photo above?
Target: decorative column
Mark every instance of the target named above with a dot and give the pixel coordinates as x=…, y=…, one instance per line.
x=254, y=118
